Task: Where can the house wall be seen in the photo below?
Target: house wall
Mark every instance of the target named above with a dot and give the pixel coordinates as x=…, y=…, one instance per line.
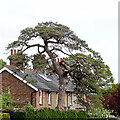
x=21, y=93
x=54, y=100
x=74, y=105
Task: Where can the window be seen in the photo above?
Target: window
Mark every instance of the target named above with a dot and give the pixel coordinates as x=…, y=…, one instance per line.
x=70, y=98
x=49, y=98
x=41, y=97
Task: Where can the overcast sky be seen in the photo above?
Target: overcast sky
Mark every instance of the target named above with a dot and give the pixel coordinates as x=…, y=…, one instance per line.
x=95, y=21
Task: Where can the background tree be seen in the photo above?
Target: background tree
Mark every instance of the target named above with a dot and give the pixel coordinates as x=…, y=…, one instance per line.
x=39, y=62
x=20, y=60
x=2, y=63
x=56, y=39
x=112, y=101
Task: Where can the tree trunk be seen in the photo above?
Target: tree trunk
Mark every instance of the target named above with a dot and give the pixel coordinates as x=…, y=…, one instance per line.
x=62, y=80
x=61, y=93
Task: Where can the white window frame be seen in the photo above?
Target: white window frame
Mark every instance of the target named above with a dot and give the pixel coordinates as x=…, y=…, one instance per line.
x=41, y=97
x=49, y=98
x=70, y=98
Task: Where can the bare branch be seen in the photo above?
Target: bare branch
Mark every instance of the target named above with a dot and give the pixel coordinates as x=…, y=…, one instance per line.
x=71, y=67
x=34, y=45
x=53, y=42
x=60, y=51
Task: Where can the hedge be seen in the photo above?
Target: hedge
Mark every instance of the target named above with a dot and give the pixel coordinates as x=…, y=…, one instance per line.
x=50, y=114
x=31, y=114
x=4, y=116
x=102, y=118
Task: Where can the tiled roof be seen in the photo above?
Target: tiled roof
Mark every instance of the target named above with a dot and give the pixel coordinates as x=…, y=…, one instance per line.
x=38, y=79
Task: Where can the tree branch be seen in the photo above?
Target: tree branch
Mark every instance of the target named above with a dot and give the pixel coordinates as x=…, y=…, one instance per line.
x=60, y=51
x=34, y=45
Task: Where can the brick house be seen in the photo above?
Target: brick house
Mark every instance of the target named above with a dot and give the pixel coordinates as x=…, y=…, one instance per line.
x=33, y=87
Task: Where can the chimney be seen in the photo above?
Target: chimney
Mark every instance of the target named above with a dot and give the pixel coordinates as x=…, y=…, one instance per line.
x=14, y=51
x=13, y=60
x=11, y=51
x=58, y=60
x=21, y=51
x=63, y=59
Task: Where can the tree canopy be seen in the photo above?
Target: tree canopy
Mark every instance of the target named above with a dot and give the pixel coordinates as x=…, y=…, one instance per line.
x=86, y=68
x=2, y=63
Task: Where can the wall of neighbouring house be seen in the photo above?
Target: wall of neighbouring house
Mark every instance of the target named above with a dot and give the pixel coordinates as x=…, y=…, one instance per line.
x=20, y=92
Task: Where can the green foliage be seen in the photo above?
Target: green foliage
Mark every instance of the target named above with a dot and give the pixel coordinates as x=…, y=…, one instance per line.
x=2, y=63
x=15, y=115
x=93, y=77
x=102, y=119
x=100, y=113
x=19, y=59
x=4, y=116
x=108, y=90
x=48, y=114
x=29, y=113
x=39, y=62
x=6, y=100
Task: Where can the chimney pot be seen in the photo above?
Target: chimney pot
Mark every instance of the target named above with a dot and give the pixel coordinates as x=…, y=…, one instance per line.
x=21, y=50
x=11, y=51
x=63, y=59
x=58, y=60
x=18, y=51
x=15, y=51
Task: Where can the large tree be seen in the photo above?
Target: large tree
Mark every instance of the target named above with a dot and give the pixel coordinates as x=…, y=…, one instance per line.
x=56, y=39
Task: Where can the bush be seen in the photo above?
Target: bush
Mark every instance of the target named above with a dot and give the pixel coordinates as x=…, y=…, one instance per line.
x=82, y=114
x=4, y=116
x=31, y=114
x=102, y=119
x=6, y=100
x=15, y=115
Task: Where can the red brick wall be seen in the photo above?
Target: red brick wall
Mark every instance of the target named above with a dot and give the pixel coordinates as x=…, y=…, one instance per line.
x=20, y=92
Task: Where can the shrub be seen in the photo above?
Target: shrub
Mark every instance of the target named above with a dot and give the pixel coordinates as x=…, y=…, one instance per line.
x=6, y=100
x=72, y=114
x=29, y=112
x=102, y=119
x=15, y=115
x=4, y=116
x=99, y=113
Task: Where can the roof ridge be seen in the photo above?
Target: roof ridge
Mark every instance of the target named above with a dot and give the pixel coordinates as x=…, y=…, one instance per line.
x=11, y=66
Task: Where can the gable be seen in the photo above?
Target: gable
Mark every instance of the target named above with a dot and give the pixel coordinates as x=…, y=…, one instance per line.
x=18, y=77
